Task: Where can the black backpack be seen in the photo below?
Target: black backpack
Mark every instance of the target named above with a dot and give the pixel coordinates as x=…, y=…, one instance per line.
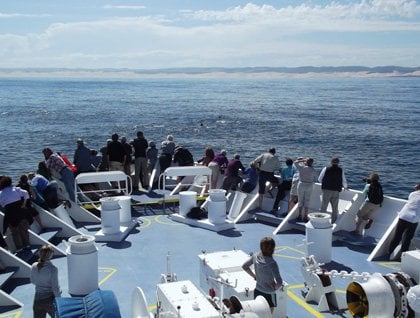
x=375, y=193
x=183, y=157
x=197, y=213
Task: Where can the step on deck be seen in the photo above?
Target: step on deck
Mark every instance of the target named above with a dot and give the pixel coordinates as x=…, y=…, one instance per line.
x=298, y=224
x=355, y=239
x=7, y=273
x=30, y=253
x=267, y=217
x=49, y=232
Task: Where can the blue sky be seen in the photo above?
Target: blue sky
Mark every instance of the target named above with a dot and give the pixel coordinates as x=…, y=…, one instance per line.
x=154, y=34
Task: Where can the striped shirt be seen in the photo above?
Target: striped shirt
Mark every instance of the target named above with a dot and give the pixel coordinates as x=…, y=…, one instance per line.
x=55, y=162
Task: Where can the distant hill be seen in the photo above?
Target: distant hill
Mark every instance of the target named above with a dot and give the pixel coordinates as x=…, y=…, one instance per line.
x=208, y=72
x=293, y=70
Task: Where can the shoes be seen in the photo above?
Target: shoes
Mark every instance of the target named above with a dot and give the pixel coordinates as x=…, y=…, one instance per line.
x=18, y=251
x=368, y=224
x=66, y=203
x=354, y=233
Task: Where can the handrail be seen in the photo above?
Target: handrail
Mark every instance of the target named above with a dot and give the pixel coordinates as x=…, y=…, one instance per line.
x=190, y=171
x=187, y=171
x=103, y=177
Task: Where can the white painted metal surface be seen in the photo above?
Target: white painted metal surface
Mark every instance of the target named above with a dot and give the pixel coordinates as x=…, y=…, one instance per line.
x=227, y=266
x=185, y=299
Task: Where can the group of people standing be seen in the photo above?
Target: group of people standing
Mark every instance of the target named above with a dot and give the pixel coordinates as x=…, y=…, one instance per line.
x=117, y=155
x=120, y=155
x=299, y=177
x=15, y=203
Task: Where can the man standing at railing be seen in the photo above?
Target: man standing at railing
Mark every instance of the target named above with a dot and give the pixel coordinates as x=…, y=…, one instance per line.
x=332, y=181
x=266, y=164
x=116, y=154
x=116, y=157
x=140, y=146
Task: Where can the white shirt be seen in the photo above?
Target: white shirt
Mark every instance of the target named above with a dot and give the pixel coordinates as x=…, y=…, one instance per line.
x=411, y=210
x=12, y=194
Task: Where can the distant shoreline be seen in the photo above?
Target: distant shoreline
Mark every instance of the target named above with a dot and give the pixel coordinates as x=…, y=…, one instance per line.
x=209, y=73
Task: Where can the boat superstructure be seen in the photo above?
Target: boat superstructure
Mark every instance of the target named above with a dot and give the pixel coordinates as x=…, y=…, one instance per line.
x=207, y=255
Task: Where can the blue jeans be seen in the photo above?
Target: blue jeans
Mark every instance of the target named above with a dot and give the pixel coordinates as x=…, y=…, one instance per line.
x=67, y=177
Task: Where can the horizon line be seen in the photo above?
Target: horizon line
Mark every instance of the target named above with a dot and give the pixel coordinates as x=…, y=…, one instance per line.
x=213, y=72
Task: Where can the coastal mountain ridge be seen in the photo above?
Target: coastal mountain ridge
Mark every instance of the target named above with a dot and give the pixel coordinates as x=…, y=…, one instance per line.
x=298, y=70
x=302, y=71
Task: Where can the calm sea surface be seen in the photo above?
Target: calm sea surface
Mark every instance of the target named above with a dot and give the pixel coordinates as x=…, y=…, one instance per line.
x=370, y=123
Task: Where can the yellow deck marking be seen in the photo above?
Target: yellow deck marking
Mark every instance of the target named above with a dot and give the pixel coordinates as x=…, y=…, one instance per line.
x=112, y=272
x=160, y=201
x=302, y=302
x=285, y=248
x=147, y=222
x=12, y=315
x=158, y=217
x=295, y=250
x=391, y=265
x=288, y=256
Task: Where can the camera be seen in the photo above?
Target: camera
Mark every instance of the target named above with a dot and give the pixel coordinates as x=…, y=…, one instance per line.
x=367, y=180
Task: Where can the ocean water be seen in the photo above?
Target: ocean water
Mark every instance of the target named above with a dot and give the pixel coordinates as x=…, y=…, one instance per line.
x=371, y=124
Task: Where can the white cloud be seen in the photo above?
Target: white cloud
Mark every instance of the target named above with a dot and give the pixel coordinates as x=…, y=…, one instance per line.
x=124, y=7
x=22, y=15
x=248, y=35
x=368, y=15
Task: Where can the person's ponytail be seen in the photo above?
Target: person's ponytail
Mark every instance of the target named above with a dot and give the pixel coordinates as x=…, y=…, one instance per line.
x=45, y=253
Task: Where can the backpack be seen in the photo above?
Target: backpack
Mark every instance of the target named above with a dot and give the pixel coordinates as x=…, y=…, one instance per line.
x=375, y=193
x=197, y=213
x=183, y=157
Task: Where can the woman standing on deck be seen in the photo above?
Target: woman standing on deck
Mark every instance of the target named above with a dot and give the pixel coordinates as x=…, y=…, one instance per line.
x=208, y=156
x=266, y=272
x=217, y=166
x=44, y=275
x=307, y=178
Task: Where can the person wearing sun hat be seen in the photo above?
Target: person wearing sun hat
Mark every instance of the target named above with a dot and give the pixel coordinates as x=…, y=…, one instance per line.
x=373, y=199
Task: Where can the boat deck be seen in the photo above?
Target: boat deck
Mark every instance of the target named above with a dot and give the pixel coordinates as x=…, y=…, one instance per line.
x=141, y=258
